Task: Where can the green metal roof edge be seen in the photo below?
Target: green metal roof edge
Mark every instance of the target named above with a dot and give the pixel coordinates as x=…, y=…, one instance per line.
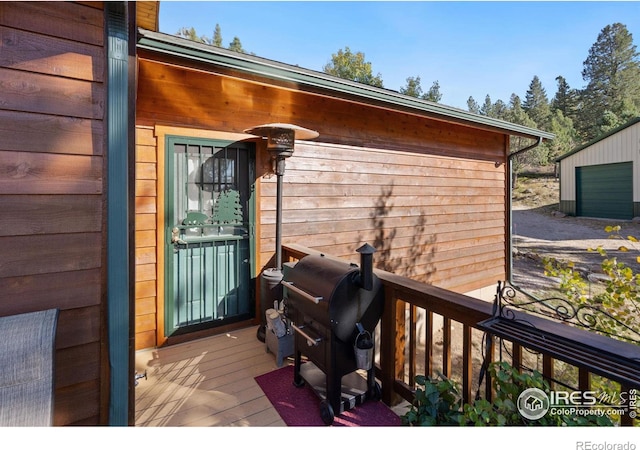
x=176, y=46
x=598, y=139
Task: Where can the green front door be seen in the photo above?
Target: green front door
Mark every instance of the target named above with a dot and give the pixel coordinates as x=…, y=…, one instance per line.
x=209, y=229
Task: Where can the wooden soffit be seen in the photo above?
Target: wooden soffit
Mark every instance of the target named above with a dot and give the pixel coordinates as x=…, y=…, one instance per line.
x=147, y=14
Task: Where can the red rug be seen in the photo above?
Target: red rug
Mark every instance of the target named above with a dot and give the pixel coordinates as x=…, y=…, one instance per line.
x=300, y=406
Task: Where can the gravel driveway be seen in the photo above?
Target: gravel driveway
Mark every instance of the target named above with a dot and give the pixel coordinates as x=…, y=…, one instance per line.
x=538, y=234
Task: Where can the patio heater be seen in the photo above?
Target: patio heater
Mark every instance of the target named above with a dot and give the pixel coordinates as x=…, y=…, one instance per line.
x=280, y=139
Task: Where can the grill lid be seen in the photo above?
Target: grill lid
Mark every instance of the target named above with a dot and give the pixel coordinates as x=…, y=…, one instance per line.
x=339, y=299
x=320, y=276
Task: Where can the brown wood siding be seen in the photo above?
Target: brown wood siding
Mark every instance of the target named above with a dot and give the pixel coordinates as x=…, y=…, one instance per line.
x=52, y=73
x=176, y=95
x=435, y=219
x=146, y=250
x=429, y=195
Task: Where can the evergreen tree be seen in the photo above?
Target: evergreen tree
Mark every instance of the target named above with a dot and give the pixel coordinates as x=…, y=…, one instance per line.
x=434, y=94
x=487, y=107
x=565, y=100
x=191, y=34
x=517, y=113
x=497, y=110
x=566, y=138
x=535, y=157
x=472, y=105
x=500, y=110
x=217, y=36
x=612, y=73
x=352, y=66
x=536, y=104
x=216, y=40
x=236, y=45
x=413, y=87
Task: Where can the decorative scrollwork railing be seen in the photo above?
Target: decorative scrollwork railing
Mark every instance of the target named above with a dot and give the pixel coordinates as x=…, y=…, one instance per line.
x=586, y=316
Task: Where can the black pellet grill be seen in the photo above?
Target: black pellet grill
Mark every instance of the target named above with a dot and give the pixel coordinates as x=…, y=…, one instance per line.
x=331, y=305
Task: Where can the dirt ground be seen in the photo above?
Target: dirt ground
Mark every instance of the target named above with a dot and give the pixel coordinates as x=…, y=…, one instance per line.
x=539, y=233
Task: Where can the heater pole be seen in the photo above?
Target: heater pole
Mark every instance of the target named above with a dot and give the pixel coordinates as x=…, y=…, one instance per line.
x=280, y=139
x=280, y=164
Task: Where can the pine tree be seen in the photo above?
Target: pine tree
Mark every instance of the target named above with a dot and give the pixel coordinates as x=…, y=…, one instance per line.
x=433, y=95
x=536, y=104
x=472, y=105
x=414, y=89
x=236, y=45
x=497, y=110
x=566, y=99
x=612, y=73
x=191, y=34
x=566, y=138
x=487, y=107
x=536, y=157
x=217, y=36
x=215, y=40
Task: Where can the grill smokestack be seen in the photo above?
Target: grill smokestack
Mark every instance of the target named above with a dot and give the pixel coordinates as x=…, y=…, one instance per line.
x=366, y=266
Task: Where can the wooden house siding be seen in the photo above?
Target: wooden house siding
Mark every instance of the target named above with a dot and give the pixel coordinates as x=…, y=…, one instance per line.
x=52, y=148
x=429, y=194
x=146, y=238
x=436, y=219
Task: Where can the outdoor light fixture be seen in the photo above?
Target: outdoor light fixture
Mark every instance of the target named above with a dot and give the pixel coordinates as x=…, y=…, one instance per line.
x=281, y=139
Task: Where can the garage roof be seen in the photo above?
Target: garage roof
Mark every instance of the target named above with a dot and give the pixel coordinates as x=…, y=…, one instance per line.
x=598, y=139
x=338, y=87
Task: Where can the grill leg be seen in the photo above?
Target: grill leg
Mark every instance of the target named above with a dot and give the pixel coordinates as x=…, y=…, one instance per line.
x=298, y=381
x=374, y=390
x=334, y=378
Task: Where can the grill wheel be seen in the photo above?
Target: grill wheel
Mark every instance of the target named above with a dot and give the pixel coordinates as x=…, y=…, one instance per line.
x=326, y=413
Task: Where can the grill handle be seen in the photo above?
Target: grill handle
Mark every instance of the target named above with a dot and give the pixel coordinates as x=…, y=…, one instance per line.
x=312, y=342
x=302, y=293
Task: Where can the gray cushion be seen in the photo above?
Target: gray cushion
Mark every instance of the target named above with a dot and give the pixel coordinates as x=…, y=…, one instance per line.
x=27, y=352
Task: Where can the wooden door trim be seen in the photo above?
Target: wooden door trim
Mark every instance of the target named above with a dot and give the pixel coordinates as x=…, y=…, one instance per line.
x=161, y=132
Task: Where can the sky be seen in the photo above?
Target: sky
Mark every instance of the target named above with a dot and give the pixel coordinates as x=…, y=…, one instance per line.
x=472, y=48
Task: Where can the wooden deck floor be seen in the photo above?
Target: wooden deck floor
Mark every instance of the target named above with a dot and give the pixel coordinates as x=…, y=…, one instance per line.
x=206, y=383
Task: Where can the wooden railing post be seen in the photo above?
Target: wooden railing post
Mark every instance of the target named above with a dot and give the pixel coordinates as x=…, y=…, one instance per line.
x=446, y=346
x=413, y=342
x=467, y=364
x=399, y=338
x=428, y=342
x=387, y=346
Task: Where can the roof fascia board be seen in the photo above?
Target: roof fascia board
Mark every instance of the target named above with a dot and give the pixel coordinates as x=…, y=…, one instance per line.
x=598, y=139
x=183, y=48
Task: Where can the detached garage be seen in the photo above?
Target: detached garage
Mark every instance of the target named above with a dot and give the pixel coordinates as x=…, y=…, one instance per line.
x=599, y=179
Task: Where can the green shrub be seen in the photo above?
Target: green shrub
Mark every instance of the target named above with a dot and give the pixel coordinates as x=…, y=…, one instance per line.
x=438, y=402
x=618, y=301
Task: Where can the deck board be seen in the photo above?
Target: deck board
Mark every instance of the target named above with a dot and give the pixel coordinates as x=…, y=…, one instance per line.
x=209, y=382
x=206, y=383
